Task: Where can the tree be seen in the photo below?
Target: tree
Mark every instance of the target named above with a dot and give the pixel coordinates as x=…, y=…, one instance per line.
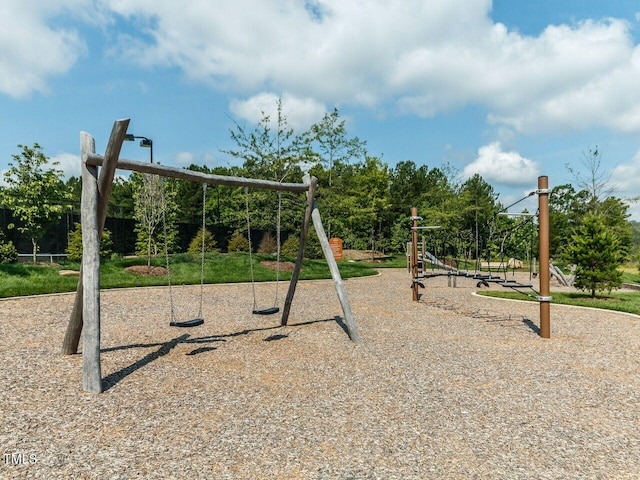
x=154, y=211
x=597, y=253
x=74, y=249
x=597, y=180
x=36, y=195
x=477, y=207
x=270, y=151
x=329, y=144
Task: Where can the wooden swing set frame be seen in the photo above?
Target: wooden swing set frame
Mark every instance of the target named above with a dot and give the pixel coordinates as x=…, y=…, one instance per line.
x=96, y=188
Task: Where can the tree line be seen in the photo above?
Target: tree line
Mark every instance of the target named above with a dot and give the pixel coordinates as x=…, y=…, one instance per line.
x=362, y=199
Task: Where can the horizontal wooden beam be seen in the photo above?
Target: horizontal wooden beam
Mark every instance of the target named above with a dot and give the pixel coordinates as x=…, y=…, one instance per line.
x=208, y=178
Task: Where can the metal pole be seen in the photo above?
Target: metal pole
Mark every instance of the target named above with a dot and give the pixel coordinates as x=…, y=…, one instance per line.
x=543, y=220
x=414, y=252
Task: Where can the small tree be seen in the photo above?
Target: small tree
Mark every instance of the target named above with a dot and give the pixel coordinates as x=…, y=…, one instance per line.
x=34, y=194
x=290, y=247
x=238, y=243
x=597, y=253
x=268, y=244
x=210, y=244
x=154, y=211
x=74, y=248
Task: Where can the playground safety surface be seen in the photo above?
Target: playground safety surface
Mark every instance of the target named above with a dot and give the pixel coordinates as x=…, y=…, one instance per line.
x=452, y=386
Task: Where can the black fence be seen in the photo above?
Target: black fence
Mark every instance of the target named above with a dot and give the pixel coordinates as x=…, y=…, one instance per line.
x=122, y=230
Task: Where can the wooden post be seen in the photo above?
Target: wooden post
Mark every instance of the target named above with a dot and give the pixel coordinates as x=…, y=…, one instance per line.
x=105, y=181
x=349, y=320
x=295, y=275
x=543, y=223
x=414, y=253
x=91, y=372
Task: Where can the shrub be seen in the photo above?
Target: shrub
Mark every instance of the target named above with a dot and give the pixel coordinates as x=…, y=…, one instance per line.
x=8, y=252
x=210, y=244
x=74, y=249
x=313, y=249
x=238, y=243
x=268, y=244
x=290, y=247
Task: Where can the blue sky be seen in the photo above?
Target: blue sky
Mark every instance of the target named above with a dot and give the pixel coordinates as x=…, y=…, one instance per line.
x=507, y=89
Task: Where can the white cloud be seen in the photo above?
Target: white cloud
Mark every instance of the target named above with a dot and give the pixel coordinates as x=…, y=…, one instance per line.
x=31, y=50
x=505, y=168
x=625, y=176
x=300, y=113
x=185, y=158
x=424, y=57
x=69, y=163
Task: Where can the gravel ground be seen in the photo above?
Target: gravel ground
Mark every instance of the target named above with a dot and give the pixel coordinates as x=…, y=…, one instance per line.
x=453, y=386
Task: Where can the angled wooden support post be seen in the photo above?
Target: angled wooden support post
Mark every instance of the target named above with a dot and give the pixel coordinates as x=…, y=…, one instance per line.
x=349, y=319
x=295, y=275
x=105, y=181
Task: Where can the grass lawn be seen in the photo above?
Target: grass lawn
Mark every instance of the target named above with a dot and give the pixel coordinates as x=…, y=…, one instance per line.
x=628, y=302
x=27, y=279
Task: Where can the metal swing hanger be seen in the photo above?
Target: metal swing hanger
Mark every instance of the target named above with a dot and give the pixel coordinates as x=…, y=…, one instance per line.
x=199, y=320
x=274, y=309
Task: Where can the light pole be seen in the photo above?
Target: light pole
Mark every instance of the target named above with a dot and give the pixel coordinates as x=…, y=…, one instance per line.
x=144, y=142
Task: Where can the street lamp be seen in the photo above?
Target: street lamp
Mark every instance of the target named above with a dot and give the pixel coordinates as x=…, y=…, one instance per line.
x=144, y=142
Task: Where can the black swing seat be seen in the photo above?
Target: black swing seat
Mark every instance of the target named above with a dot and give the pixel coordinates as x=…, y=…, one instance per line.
x=267, y=311
x=188, y=323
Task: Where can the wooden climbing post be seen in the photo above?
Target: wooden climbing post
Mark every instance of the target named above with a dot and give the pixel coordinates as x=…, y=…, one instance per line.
x=414, y=253
x=543, y=223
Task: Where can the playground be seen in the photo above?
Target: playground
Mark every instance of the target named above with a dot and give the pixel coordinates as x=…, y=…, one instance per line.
x=451, y=386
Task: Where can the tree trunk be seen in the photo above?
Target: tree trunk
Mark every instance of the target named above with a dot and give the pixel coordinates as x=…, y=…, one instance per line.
x=34, y=242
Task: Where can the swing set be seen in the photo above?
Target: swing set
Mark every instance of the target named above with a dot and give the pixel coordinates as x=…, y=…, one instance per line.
x=96, y=188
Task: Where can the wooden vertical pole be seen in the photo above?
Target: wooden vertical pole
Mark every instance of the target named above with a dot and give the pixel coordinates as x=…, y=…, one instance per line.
x=91, y=372
x=295, y=275
x=105, y=181
x=414, y=253
x=543, y=222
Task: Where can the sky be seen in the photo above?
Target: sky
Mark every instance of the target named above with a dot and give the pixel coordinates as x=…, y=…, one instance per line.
x=507, y=89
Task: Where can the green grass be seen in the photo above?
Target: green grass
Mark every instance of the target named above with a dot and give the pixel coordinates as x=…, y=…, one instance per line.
x=628, y=302
x=26, y=279
x=631, y=277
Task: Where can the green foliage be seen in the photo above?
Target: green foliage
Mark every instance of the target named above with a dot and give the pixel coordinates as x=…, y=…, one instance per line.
x=238, y=243
x=597, y=252
x=8, y=252
x=34, y=194
x=210, y=244
x=271, y=150
x=290, y=247
x=313, y=249
x=74, y=248
x=268, y=244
